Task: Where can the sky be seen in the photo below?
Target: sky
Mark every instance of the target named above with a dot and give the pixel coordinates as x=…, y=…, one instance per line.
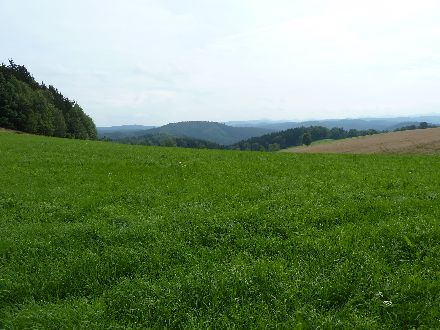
x=152, y=62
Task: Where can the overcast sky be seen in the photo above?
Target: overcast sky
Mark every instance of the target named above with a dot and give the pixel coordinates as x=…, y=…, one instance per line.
x=159, y=61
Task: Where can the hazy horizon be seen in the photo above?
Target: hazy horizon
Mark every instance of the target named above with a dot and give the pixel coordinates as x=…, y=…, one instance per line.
x=274, y=121
x=155, y=62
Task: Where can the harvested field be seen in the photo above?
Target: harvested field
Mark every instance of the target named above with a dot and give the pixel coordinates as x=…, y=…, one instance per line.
x=420, y=141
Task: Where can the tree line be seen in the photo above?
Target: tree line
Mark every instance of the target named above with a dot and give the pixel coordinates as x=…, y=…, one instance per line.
x=28, y=106
x=297, y=136
x=165, y=140
x=422, y=125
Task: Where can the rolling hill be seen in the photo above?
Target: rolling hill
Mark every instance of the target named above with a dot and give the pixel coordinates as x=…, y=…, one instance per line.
x=233, y=132
x=209, y=131
x=98, y=235
x=422, y=141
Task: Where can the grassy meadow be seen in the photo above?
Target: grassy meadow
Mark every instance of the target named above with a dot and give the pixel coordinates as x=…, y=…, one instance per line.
x=98, y=235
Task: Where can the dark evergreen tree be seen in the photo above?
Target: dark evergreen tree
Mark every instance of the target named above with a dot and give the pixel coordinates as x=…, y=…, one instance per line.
x=307, y=139
x=423, y=125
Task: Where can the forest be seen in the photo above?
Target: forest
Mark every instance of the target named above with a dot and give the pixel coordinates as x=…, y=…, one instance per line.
x=165, y=140
x=28, y=106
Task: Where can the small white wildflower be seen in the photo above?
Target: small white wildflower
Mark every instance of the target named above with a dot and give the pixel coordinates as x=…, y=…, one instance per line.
x=387, y=303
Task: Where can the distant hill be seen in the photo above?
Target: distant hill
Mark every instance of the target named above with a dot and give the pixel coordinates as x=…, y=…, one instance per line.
x=233, y=132
x=254, y=123
x=28, y=106
x=209, y=131
x=379, y=124
x=424, y=141
x=124, y=128
x=120, y=132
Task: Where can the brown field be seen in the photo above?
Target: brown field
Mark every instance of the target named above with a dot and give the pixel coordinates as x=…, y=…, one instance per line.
x=420, y=141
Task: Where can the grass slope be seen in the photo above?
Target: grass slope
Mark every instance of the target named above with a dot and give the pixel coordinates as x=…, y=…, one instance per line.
x=420, y=141
x=99, y=235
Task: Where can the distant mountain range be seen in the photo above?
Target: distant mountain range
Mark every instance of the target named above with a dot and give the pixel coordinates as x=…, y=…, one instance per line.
x=125, y=128
x=380, y=124
x=232, y=132
x=121, y=132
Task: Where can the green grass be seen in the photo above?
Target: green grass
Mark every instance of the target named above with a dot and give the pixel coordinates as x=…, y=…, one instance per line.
x=99, y=235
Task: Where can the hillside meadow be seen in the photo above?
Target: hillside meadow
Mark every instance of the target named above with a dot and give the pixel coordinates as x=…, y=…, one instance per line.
x=96, y=235
x=419, y=141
